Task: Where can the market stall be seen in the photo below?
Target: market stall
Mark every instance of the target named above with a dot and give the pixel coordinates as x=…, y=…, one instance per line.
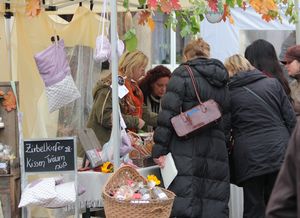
x=30, y=35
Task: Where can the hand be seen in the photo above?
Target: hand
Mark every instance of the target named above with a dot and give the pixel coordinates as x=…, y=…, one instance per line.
x=160, y=161
x=141, y=123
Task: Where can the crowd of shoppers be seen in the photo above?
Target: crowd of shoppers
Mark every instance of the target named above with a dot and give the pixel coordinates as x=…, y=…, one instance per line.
x=258, y=108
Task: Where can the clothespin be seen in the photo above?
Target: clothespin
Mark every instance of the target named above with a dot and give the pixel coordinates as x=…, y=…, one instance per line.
x=91, y=4
x=53, y=38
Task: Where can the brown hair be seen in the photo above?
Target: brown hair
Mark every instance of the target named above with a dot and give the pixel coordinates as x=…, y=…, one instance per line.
x=196, y=48
x=151, y=77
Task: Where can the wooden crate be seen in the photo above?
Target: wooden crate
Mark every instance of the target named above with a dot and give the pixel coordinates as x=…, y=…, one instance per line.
x=10, y=184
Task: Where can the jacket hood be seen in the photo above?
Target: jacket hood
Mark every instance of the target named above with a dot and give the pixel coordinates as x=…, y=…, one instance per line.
x=212, y=69
x=245, y=78
x=99, y=86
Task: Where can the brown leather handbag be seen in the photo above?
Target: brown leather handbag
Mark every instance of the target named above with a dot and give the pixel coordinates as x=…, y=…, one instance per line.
x=197, y=117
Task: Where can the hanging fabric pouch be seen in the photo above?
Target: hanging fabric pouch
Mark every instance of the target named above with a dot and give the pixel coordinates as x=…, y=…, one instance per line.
x=55, y=71
x=102, y=51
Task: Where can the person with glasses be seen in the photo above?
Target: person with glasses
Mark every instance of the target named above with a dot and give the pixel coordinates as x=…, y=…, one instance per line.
x=131, y=68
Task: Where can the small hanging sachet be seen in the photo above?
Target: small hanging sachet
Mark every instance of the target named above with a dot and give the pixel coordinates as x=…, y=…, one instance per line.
x=55, y=71
x=103, y=49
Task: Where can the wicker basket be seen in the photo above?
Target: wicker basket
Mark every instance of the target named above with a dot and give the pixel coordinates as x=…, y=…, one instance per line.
x=115, y=208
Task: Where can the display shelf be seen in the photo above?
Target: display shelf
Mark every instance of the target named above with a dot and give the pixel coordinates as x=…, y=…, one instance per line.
x=10, y=184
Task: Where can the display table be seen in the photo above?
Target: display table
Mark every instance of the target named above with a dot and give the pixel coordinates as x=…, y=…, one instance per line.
x=94, y=182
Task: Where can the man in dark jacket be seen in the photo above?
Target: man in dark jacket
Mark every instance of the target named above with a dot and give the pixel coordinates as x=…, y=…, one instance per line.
x=285, y=198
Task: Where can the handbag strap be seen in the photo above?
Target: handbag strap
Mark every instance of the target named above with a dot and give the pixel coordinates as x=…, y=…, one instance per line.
x=267, y=106
x=193, y=82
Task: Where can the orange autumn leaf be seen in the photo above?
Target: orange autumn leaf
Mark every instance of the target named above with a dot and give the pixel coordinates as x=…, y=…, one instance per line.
x=267, y=17
x=231, y=20
x=143, y=17
x=151, y=24
x=9, y=102
x=263, y=6
x=227, y=14
x=33, y=8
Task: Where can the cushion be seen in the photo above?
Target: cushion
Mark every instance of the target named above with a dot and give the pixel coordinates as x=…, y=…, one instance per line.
x=66, y=195
x=38, y=192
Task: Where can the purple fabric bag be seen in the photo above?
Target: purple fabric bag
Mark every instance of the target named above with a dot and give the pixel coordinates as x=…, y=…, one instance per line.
x=52, y=63
x=55, y=71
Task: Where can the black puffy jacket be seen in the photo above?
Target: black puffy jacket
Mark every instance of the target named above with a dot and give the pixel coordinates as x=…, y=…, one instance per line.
x=202, y=184
x=261, y=132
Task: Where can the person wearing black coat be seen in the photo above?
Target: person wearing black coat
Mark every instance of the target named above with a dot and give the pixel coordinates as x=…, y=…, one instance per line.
x=262, y=119
x=202, y=185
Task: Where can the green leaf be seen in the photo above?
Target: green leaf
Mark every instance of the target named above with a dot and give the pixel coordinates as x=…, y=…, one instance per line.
x=195, y=25
x=231, y=3
x=239, y=3
x=186, y=30
x=130, y=40
x=126, y=4
x=131, y=44
x=142, y=2
x=130, y=34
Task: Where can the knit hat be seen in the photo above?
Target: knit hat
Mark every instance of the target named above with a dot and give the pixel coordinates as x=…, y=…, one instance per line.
x=292, y=53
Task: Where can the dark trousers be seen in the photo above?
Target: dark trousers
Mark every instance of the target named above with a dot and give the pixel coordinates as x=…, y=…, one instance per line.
x=257, y=191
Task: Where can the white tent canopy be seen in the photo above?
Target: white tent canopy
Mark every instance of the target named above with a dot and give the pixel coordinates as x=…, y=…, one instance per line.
x=224, y=38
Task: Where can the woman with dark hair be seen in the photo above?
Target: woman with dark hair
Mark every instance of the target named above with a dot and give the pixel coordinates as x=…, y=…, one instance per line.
x=262, y=55
x=154, y=86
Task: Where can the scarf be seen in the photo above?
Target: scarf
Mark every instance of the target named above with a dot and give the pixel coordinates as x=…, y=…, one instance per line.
x=134, y=99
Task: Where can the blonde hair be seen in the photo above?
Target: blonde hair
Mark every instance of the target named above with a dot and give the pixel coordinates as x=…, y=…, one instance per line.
x=131, y=60
x=237, y=63
x=196, y=48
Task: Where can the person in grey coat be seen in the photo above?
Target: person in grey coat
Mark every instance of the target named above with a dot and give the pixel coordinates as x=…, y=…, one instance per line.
x=202, y=184
x=262, y=119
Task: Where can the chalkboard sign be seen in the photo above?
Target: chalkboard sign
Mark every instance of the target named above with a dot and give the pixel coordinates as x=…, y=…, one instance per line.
x=49, y=155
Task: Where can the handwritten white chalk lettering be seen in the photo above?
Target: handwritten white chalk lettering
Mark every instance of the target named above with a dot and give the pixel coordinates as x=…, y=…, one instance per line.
x=45, y=147
x=54, y=159
x=61, y=165
x=68, y=149
x=32, y=163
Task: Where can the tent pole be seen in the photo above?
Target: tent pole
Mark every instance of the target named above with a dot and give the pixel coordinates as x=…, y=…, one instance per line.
x=115, y=135
x=7, y=16
x=298, y=23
